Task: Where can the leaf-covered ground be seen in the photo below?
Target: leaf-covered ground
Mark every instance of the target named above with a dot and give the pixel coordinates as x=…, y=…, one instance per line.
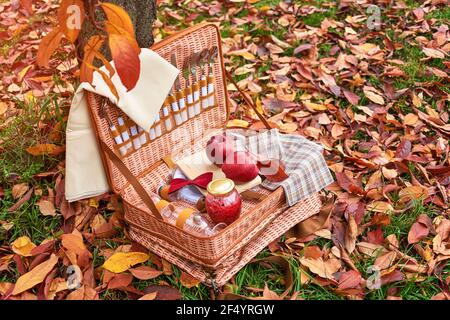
x=375, y=95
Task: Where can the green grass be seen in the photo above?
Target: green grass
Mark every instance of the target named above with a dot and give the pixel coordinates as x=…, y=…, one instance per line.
x=442, y=14
x=18, y=166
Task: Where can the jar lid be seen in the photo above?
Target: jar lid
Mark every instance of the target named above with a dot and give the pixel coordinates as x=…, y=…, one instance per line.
x=220, y=186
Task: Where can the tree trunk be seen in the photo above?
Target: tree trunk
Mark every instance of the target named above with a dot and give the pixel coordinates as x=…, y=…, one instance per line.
x=141, y=12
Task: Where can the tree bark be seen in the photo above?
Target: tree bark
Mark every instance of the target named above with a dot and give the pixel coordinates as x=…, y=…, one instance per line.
x=141, y=12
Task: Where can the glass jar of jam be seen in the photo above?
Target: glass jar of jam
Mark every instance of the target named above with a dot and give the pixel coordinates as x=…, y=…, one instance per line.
x=223, y=202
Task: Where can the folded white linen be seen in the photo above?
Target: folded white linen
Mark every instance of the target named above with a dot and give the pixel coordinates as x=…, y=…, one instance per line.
x=85, y=175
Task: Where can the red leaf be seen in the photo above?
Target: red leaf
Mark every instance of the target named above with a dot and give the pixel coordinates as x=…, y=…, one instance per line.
x=164, y=292
x=351, y=97
x=120, y=280
x=419, y=230
x=126, y=60
x=348, y=184
x=375, y=236
x=394, y=276
x=27, y=5
x=349, y=279
x=403, y=149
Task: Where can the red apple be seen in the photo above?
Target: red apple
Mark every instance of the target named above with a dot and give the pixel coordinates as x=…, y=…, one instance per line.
x=241, y=167
x=218, y=148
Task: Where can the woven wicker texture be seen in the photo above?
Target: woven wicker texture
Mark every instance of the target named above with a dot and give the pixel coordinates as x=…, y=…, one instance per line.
x=220, y=256
x=239, y=257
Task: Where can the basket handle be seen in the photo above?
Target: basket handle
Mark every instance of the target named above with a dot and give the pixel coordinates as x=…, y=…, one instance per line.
x=132, y=179
x=249, y=101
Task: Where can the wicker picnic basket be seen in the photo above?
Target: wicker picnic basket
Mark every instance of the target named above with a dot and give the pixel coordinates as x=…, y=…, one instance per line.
x=212, y=260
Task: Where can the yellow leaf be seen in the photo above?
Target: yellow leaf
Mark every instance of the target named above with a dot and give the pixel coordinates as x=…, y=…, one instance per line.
x=22, y=73
x=237, y=123
x=35, y=276
x=314, y=106
x=243, y=53
x=23, y=246
x=122, y=261
x=93, y=203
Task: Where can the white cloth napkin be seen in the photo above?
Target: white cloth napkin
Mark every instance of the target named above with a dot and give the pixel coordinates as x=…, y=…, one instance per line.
x=85, y=175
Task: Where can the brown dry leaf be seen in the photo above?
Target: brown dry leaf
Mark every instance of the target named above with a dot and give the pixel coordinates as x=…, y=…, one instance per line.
x=389, y=173
x=44, y=149
x=145, y=272
x=163, y=292
x=351, y=234
x=420, y=229
x=23, y=246
x=412, y=193
x=386, y=260
x=46, y=207
x=314, y=107
x=324, y=269
x=19, y=190
x=122, y=261
x=188, y=281
x=35, y=276
x=434, y=53
x=370, y=249
x=167, y=267
x=380, y=206
x=373, y=95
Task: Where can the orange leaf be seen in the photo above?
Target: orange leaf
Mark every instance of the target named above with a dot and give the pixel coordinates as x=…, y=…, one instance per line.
x=118, y=16
x=188, y=281
x=111, y=28
x=47, y=46
x=47, y=148
x=108, y=65
x=70, y=18
x=91, y=49
x=126, y=60
x=73, y=243
x=35, y=276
